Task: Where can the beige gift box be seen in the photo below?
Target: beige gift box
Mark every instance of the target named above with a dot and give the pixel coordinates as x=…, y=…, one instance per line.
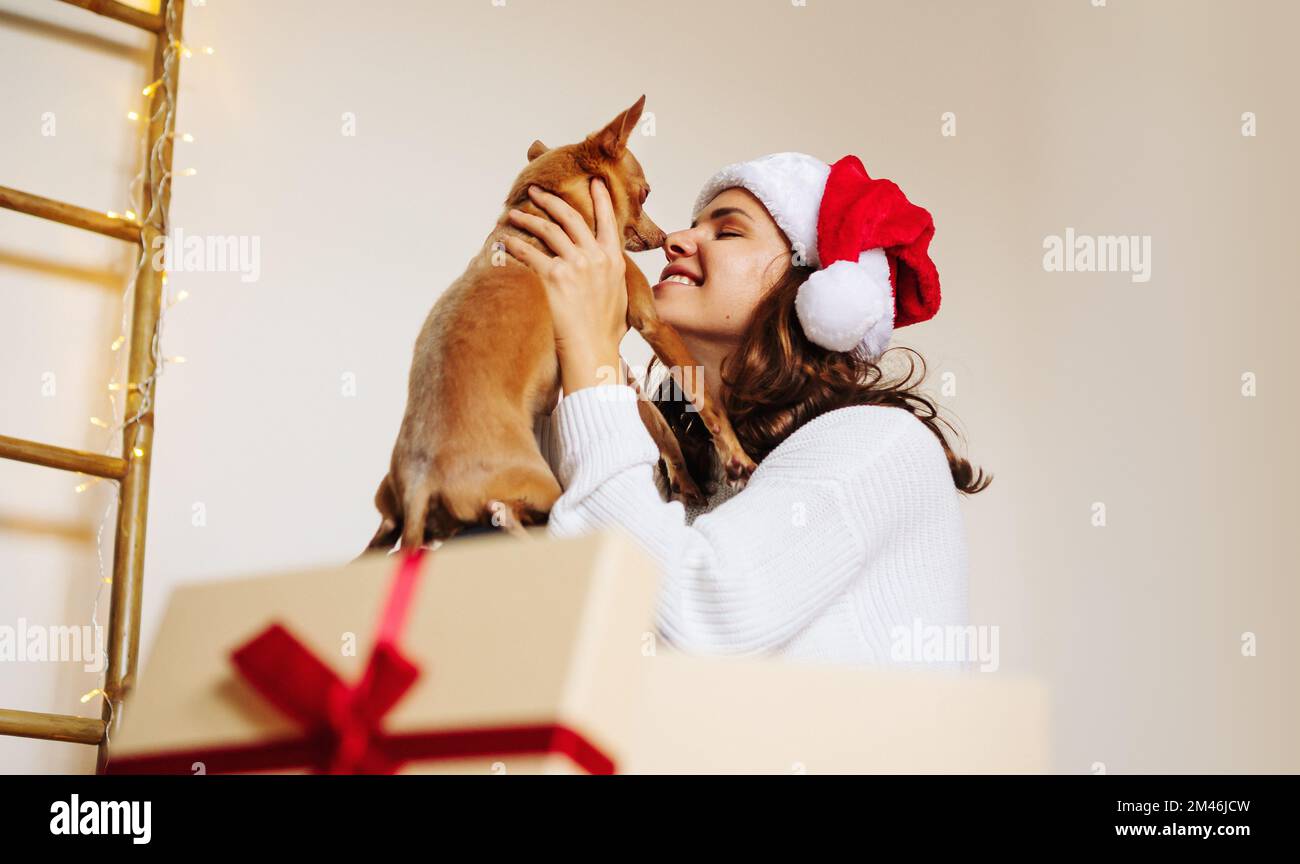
x=540, y=657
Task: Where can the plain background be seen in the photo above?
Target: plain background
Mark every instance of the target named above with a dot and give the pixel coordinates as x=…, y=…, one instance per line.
x=1072, y=388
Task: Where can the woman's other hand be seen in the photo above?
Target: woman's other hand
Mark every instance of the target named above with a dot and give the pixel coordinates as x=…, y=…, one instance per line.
x=584, y=282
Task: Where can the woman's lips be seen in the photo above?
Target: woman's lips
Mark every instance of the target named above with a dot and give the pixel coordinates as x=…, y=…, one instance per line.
x=676, y=280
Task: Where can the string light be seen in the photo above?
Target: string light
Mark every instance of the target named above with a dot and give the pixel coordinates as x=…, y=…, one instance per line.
x=179, y=358
x=95, y=421
x=163, y=114
x=188, y=172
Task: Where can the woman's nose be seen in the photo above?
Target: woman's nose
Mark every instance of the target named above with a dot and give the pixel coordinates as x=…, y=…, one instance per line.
x=679, y=244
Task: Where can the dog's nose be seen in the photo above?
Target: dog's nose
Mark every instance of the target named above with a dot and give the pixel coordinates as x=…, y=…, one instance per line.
x=653, y=234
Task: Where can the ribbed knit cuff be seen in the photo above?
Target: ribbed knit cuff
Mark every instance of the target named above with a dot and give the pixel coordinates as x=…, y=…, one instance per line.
x=601, y=434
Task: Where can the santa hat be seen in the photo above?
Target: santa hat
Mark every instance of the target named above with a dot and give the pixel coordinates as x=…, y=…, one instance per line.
x=868, y=242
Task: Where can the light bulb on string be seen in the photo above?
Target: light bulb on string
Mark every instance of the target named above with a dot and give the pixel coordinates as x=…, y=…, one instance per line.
x=187, y=52
x=86, y=484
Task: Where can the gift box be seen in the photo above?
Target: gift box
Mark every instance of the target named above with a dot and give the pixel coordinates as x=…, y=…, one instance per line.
x=511, y=656
x=768, y=716
x=499, y=655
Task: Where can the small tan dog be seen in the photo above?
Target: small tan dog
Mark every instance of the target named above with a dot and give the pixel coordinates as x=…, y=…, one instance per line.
x=485, y=368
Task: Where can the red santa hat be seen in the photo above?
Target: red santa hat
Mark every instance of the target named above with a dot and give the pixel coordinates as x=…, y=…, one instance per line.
x=870, y=246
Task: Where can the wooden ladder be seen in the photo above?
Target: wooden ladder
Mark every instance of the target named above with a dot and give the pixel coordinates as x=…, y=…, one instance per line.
x=131, y=469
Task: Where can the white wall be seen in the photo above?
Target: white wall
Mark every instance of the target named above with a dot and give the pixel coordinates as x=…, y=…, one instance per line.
x=1072, y=388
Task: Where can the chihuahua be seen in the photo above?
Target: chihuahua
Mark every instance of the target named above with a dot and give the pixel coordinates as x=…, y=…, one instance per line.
x=485, y=368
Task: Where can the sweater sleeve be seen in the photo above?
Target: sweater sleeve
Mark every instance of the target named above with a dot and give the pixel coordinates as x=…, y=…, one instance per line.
x=746, y=577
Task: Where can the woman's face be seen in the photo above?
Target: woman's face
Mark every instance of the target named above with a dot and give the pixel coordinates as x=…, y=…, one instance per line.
x=731, y=256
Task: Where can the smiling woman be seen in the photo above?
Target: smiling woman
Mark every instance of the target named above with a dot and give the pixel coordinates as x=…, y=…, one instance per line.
x=849, y=529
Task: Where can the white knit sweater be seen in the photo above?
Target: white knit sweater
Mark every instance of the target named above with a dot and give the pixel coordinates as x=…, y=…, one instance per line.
x=849, y=529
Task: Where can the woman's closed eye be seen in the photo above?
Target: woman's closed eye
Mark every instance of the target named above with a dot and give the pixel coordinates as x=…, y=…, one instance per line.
x=722, y=234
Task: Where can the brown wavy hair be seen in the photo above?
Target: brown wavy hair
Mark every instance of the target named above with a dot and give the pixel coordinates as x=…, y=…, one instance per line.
x=777, y=380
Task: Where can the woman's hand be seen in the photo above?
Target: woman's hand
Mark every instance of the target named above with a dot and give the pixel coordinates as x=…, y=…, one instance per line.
x=584, y=283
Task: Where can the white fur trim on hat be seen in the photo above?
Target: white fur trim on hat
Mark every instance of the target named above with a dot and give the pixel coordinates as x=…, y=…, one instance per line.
x=790, y=185
x=849, y=303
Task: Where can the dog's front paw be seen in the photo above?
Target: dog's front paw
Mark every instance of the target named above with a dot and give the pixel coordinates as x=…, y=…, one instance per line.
x=683, y=486
x=690, y=494
x=738, y=467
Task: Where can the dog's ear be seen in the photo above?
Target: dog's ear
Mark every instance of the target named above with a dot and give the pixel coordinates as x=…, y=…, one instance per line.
x=612, y=140
x=536, y=149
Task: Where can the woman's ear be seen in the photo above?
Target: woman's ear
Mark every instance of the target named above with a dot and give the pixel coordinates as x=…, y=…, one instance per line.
x=536, y=149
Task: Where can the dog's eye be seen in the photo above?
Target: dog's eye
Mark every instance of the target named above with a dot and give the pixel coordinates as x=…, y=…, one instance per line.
x=645, y=193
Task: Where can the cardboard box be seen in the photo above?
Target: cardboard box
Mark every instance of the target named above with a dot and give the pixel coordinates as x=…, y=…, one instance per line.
x=535, y=657
x=507, y=634
x=731, y=715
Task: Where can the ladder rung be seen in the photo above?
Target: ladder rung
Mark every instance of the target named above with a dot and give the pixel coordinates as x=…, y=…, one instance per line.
x=50, y=456
x=69, y=214
x=122, y=12
x=51, y=727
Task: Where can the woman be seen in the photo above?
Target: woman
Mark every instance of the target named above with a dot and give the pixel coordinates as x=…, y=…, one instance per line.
x=786, y=287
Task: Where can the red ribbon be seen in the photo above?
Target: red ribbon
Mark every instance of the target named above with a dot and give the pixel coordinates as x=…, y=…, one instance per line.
x=343, y=723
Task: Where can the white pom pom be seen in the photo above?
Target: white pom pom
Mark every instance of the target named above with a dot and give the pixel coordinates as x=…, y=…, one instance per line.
x=849, y=303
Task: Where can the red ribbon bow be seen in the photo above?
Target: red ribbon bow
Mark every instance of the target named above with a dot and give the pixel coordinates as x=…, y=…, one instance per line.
x=294, y=680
